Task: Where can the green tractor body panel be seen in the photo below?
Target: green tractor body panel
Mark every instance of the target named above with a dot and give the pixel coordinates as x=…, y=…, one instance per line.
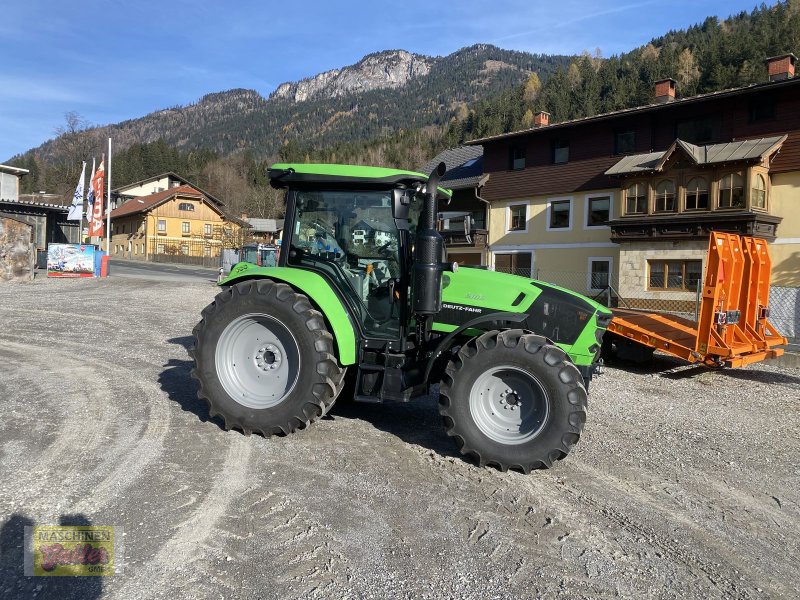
x=317, y=290
x=569, y=319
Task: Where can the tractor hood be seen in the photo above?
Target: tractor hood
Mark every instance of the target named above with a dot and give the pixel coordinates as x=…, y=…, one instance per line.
x=557, y=313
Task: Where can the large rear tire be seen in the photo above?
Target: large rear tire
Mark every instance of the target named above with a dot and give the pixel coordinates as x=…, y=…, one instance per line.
x=264, y=359
x=513, y=400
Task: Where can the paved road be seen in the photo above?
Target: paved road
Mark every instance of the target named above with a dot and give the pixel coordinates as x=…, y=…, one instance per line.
x=685, y=483
x=160, y=271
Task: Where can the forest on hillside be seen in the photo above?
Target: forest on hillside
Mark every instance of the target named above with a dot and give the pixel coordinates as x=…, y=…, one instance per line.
x=714, y=55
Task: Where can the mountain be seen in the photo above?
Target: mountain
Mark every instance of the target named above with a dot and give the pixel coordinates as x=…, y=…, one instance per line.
x=383, y=93
x=390, y=69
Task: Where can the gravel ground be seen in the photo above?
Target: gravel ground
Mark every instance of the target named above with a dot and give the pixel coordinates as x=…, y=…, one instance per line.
x=685, y=484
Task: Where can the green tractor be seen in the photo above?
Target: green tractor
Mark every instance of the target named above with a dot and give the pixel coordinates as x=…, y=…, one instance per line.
x=361, y=299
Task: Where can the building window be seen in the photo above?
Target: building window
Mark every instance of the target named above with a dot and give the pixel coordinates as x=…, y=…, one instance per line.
x=624, y=141
x=161, y=249
x=677, y=275
x=518, y=263
x=636, y=199
x=665, y=196
x=517, y=157
x=207, y=229
x=697, y=194
x=698, y=131
x=518, y=217
x=758, y=194
x=206, y=250
x=559, y=214
x=731, y=191
x=162, y=226
x=762, y=109
x=185, y=227
x=598, y=211
x=560, y=151
x=184, y=248
x=599, y=273
x=188, y=206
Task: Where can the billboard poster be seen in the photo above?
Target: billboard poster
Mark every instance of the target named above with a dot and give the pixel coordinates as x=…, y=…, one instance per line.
x=70, y=260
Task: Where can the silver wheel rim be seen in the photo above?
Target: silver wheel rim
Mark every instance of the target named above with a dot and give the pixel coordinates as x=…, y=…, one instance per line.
x=257, y=360
x=509, y=405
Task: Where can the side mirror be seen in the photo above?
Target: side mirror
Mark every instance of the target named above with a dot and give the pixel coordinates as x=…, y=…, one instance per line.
x=401, y=203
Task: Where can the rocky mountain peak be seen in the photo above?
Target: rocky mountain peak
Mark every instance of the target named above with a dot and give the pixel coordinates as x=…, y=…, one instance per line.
x=390, y=69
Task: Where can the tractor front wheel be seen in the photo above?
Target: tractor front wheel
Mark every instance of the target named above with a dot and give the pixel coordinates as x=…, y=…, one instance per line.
x=264, y=359
x=513, y=400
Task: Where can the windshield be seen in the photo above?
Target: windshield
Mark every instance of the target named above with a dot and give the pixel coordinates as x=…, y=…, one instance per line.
x=352, y=237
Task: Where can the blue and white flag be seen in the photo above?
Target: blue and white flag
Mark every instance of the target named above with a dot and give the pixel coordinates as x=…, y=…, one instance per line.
x=90, y=197
x=76, y=208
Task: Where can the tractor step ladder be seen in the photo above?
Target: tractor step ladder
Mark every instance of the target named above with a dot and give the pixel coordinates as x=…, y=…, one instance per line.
x=733, y=328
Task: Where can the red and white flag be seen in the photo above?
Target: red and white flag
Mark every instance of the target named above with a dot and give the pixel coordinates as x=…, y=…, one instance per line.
x=98, y=183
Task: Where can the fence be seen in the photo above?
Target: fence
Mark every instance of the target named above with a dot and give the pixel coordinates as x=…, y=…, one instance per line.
x=784, y=302
x=198, y=252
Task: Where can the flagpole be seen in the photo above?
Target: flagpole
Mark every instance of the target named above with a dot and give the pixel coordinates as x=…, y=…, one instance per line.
x=108, y=205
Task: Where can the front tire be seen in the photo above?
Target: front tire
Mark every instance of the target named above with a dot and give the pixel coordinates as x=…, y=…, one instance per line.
x=264, y=359
x=513, y=400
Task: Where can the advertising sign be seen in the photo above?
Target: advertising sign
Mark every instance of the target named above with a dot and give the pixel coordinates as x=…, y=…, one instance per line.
x=71, y=260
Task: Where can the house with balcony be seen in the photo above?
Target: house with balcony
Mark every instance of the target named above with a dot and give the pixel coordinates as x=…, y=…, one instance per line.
x=628, y=198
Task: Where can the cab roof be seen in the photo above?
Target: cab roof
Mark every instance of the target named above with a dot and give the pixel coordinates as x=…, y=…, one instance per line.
x=285, y=174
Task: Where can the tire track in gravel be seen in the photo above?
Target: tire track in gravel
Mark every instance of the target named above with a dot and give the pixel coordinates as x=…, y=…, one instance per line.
x=79, y=431
x=190, y=536
x=131, y=449
x=594, y=489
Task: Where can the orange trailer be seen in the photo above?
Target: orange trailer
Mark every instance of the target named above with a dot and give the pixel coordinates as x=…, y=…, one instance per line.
x=733, y=328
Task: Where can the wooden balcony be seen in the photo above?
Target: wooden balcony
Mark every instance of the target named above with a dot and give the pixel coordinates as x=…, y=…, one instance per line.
x=693, y=225
x=456, y=238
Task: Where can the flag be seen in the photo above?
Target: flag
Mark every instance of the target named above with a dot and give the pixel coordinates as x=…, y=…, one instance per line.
x=98, y=183
x=90, y=197
x=76, y=208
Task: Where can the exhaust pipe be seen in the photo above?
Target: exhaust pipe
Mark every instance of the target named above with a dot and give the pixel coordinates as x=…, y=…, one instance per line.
x=429, y=248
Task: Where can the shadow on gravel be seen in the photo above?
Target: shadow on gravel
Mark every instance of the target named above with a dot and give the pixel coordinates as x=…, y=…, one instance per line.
x=14, y=583
x=763, y=376
x=417, y=422
x=176, y=380
x=186, y=341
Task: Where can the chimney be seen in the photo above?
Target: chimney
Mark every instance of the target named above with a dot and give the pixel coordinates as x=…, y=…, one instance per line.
x=781, y=67
x=665, y=91
x=541, y=119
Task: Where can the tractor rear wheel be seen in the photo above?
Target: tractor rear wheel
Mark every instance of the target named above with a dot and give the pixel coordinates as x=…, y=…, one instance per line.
x=264, y=359
x=513, y=400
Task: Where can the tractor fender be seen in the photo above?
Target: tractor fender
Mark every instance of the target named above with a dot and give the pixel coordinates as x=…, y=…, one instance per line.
x=447, y=340
x=320, y=294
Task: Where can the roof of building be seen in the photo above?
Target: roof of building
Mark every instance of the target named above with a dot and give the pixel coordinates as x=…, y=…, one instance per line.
x=50, y=201
x=145, y=203
x=14, y=170
x=171, y=175
x=266, y=225
x=711, y=154
x=641, y=109
x=464, y=167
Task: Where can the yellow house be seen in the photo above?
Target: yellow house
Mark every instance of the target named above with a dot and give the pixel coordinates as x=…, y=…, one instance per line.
x=175, y=224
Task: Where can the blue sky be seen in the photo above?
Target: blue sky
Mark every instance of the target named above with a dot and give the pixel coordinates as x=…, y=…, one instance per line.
x=119, y=59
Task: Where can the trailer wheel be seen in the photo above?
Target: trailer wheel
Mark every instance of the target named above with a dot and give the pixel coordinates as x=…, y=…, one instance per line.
x=264, y=359
x=513, y=400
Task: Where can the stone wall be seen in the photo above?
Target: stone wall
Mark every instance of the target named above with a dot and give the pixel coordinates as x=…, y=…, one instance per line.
x=16, y=250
